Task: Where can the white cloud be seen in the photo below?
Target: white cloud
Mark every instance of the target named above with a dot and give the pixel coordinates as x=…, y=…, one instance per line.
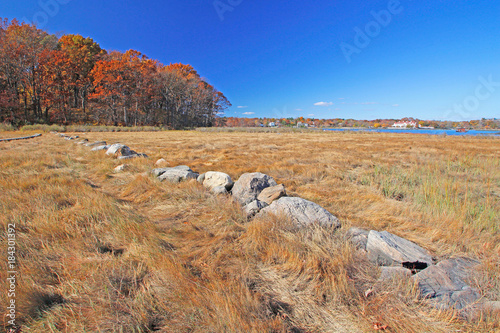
x=242, y=107
x=369, y=103
x=396, y=105
x=299, y=110
x=341, y=98
x=311, y=115
x=323, y=104
x=248, y=113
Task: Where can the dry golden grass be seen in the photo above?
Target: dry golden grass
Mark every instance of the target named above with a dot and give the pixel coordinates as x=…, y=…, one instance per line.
x=107, y=252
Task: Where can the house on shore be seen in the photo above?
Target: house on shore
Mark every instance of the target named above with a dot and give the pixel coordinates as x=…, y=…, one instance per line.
x=405, y=124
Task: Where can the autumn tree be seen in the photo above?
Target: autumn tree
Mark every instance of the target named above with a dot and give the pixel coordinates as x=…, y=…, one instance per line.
x=68, y=74
x=71, y=80
x=23, y=51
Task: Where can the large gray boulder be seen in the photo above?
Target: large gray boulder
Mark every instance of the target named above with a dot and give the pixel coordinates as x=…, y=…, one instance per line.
x=268, y=195
x=215, y=179
x=445, y=284
x=249, y=185
x=177, y=174
x=386, y=249
x=301, y=212
x=120, y=150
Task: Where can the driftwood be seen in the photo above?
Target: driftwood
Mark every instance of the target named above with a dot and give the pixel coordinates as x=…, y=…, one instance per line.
x=23, y=138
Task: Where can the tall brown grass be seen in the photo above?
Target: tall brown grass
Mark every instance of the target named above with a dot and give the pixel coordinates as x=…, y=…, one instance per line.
x=121, y=252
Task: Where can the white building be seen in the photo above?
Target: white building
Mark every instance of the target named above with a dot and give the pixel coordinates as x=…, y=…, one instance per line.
x=405, y=124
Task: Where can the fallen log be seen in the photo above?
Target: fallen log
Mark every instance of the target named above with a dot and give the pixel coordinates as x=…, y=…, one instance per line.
x=23, y=138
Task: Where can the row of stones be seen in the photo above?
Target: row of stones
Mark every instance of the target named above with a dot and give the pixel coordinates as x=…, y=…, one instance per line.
x=444, y=283
x=257, y=193
x=119, y=150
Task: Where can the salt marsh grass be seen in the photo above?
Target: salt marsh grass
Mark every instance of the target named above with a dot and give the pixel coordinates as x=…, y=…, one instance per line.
x=121, y=252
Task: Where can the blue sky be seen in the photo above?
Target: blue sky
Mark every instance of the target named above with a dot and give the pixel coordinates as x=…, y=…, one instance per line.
x=323, y=59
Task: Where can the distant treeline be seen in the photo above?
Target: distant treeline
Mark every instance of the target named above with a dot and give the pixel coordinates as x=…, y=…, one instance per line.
x=71, y=80
x=339, y=122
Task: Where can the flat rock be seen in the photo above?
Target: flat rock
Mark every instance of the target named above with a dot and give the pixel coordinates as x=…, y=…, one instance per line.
x=358, y=237
x=96, y=144
x=136, y=155
x=160, y=171
x=215, y=179
x=178, y=174
x=104, y=147
x=268, y=195
x=84, y=141
x=445, y=284
x=248, y=187
x=386, y=249
x=252, y=208
x=302, y=212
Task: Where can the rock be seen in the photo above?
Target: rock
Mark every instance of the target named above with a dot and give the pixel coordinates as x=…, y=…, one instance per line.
x=84, y=141
x=72, y=137
x=161, y=161
x=121, y=168
x=215, y=179
x=252, y=208
x=96, y=144
x=219, y=190
x=389, y=273
x=386, y=249
x=268, y=195
x=177, y=174
x=445, y=283
x=132, y=156
x=160, y=171
x=120, y=150
x=201, y=178
x=104, y=147
x=302, y=212
x=358, y=237
x=249, y=185
x=128, y=157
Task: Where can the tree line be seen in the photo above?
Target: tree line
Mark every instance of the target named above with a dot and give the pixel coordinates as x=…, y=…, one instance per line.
x=72, y=80
x=354, y=123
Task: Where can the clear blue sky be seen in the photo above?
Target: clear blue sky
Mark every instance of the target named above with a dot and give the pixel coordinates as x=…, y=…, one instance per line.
x=427, y=59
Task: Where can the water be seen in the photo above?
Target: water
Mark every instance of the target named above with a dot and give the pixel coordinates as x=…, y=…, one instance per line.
x=419, y=131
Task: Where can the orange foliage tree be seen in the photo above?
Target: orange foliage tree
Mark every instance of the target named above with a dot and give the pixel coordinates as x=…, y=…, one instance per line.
x=72, y=80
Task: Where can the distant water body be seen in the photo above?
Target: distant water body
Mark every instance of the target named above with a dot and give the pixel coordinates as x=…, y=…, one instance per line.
x=419, y=131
